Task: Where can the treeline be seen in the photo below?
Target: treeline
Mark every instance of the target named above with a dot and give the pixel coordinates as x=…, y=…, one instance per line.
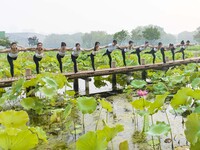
x=152, y=33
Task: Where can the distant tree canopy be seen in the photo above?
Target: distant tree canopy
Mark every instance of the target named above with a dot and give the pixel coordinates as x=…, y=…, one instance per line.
x=5, y=42
x=32, y=41
x=137, y=35
x=121, y=36
x=151, y=34
x=90, y=38
x=197, y=35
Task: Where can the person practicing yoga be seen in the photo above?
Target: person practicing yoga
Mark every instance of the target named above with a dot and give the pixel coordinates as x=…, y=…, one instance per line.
x=39, y=54
x=94, y=52
x=155, y=49
x=12, y=55
x=172, y=48
x=110, y=48
x=75, y=53
x=125, y=49
x=139, y=49
x=183, y=46
x=61, y=54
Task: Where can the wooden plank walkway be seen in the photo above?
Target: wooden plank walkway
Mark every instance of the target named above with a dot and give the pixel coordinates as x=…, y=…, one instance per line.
x=84, y=74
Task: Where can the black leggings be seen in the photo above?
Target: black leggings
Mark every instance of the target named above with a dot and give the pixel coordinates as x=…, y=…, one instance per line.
x=162, y=50
x=182, y=51
x=124, y=56
x=173, y=54
x=153, y=54
x=75, y=63
x=10, y=61
x=36, y=60
x=137, y=52
x=59, y=58
x=92, y=60
x=109, y=56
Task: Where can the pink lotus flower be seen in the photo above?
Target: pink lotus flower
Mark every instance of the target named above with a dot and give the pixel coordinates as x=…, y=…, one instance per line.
x=142, y=93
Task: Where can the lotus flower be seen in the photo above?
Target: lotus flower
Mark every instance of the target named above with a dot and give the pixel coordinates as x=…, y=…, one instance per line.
x=142, y=93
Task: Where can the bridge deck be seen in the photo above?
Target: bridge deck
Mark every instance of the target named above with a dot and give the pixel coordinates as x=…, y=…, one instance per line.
x=83, y=74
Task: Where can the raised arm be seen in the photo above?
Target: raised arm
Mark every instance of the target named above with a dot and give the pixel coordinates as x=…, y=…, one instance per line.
x=5, y=50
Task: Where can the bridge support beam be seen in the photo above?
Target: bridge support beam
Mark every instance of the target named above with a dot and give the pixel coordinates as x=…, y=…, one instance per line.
x=144, y=72
x=114, y=78
x=76, y=86
x=87, y=88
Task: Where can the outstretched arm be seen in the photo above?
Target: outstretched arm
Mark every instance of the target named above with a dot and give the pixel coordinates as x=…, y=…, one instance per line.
x=5, y=50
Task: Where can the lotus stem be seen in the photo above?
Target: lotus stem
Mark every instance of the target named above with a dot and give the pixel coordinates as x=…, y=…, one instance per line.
x=170, y=130
x=98, y=118
x=152, y=136
x=83, y=124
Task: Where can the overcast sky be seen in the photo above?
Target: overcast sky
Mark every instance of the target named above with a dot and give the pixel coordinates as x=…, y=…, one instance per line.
x=70, y=16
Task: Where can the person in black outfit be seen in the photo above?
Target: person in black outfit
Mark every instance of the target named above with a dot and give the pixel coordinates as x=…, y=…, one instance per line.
x=155, y=49
x=61, y=54
x=172, y=48
x=182, y=49
x=139, y=50
x=126, y=49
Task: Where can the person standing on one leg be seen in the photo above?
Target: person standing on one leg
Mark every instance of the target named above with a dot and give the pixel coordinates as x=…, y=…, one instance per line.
x=12, y=55
x=139, y=50
x=110, y=48
x=94, y=52
x=61, y=54
x=126, y=49
x=182, y=49
x=172, y=48
x=155, y=49
x=39, y=53
x=75, y=53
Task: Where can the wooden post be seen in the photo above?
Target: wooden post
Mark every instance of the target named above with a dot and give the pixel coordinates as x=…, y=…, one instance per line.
x=87, y=89
x=114, y=78
x=143, y=62
x=167, y=59
x=76, y=87
x=128, y=78
x=28, y=72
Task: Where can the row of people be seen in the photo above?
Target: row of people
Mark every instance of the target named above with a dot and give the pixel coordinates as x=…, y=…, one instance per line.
x=39, y=52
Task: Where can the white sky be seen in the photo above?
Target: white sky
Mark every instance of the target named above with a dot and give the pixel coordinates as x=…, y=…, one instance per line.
x=69, y=16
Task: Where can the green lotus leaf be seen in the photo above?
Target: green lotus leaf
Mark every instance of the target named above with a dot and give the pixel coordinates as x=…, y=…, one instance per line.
x=195, y=94
x=158, y=129
x=110, y=132
x=14, y=119
x=195, y=83
x=160, y=88
x=123, y=145
x=50, y=82
x=138, y=84
x=106, y=105
x=140, y=104
x=181, y=97
x=17, y=86
x=67, y=111
x=48, y=91
x=158, y=103
x=21, y=140
x=87, y=105
x=192, y=131
x=91, y=141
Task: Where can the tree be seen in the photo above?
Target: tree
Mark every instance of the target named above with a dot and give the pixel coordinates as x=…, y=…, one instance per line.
x=121, y=36
x=137, y=35
x=151, y=33
x=101, y=36
x=32, y=41
x=5, y=42
x=197, y=35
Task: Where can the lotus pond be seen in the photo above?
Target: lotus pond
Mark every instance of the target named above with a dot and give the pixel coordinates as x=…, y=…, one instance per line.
x=44, y=113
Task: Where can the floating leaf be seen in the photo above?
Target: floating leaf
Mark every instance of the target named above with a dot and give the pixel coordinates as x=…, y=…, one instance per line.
x=158, y=129
x=86, y=104
x=138, y=84
x=123, y=145
x=192, y=131
x=160, y=88
x=158, y=103
x=14, y=119
x=195, y=94
x=106, y=105
x=91, y=141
